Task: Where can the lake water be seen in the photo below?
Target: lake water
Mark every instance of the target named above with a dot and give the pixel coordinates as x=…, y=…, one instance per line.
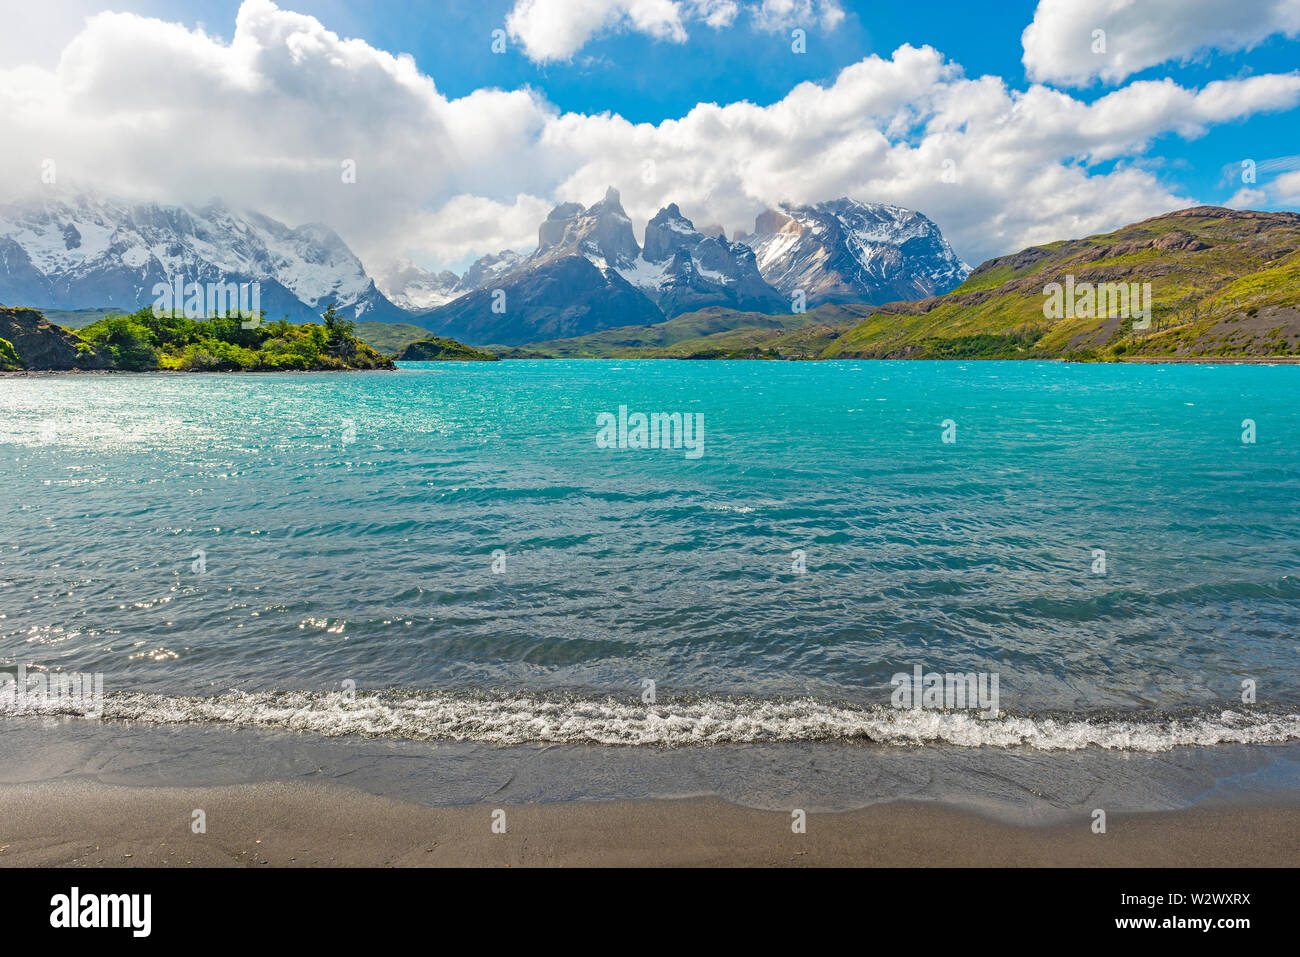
x=446, y=552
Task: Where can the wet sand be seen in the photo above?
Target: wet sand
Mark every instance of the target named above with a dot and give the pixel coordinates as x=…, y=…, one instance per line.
x=82, y=823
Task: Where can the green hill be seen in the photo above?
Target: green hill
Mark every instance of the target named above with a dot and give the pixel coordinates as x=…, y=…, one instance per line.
x=438, y=349
x=1222, y=283
x=715, y=332
x=389, y=337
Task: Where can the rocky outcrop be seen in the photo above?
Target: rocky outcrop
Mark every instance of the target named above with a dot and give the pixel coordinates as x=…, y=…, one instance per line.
x=41, y=345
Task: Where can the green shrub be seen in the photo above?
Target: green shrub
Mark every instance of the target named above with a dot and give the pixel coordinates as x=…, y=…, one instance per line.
x=9, y=359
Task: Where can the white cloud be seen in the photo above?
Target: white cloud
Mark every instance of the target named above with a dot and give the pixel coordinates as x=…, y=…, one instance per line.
x=1247, y=198
x=787, y=14
x=884, y=131
x=716, y=13
x=466, y=227
x=143, y=108
x=555, y=30
x=1286, y=188
x=1059, y=43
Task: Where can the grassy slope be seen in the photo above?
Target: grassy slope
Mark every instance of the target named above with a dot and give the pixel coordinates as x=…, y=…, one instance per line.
x=708, y=332
x=1223, y=283
x=78, y=318
x=389, y=337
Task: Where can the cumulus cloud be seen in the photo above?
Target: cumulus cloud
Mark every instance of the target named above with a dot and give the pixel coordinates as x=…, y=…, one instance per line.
x=557, y=29
x=786, y=14
x=1287, y=188
x=142, y=108
x=1061, y=45
x=1280, y=190
x=551, y=30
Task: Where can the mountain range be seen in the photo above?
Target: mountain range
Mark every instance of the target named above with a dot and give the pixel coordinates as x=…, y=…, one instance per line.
x=588, y=272
x=1203, y=282
x=79, y=251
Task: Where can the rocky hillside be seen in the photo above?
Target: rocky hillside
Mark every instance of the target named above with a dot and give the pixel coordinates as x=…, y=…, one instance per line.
x=37, y=343
x=1221, y=282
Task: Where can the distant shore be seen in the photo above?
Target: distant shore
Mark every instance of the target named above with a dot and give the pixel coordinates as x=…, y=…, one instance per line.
x=1217, y=360
x=19, y=373
x=87, y=824
x=1182, y=360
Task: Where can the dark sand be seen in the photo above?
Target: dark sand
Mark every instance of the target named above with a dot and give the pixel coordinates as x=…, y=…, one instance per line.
x=84, y=823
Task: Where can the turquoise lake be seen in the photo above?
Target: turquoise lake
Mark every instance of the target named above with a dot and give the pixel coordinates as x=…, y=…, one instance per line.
x=452, y=537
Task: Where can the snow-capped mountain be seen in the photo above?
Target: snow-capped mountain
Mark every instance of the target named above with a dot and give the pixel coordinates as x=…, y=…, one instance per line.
x=614, y=281
x=572, y=284
x=418, y=290
x=83, y=251
x=680, y=268
x=415, y=289
x=683, y=269
x=602, y=233
x=847, y=251
x=488, y=269
x=838, y=251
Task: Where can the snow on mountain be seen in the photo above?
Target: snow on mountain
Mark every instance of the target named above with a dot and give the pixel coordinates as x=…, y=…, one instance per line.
x=683, y=269
x=847, y=251
x=415, y=289
x=418, y=290
x=487, y=270
x=589, y=273
x=602, y=233
x=77, y=251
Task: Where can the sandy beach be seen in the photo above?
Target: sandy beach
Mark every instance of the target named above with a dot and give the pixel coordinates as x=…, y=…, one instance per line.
x=87, y=824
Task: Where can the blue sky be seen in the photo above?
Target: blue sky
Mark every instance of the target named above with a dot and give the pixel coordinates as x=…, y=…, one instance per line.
x=629, y=72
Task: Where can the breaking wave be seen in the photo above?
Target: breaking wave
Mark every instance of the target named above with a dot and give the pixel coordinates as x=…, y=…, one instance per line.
x=524, y=719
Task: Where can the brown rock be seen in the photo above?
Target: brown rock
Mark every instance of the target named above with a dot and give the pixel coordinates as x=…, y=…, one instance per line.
x=39, y=343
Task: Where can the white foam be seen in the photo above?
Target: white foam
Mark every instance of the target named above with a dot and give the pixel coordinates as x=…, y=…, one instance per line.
x=525, y=719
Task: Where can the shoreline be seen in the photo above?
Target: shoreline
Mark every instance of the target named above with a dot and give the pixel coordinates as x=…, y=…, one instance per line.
x=83, y=823
x=1154, y=360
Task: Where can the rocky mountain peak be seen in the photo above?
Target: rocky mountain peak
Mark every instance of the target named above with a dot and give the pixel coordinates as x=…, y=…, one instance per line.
x=667, y=232
x=602, y=232
x=843, y=250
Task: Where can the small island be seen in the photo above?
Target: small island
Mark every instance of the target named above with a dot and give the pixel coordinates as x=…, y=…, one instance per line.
x=438, y=349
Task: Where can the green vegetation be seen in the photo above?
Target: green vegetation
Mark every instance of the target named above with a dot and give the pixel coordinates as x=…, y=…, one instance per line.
x=437, y=349
x=9, y=360
x=1222, y=282
x=143, y=341
x=78, y=318
x=713, y=333
x=1015, y=345
x=389, y=337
